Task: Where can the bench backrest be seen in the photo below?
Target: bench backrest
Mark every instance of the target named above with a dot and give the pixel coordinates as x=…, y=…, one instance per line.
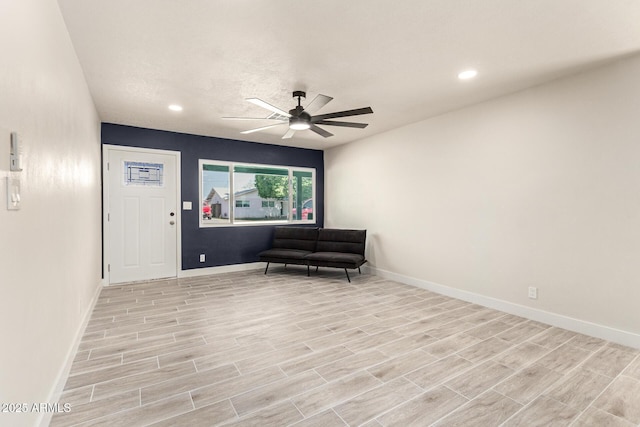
x=339, y=240
x=301, y=238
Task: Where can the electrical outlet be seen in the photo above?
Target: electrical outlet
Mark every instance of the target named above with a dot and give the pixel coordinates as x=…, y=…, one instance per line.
x=202, y=257
x=533, y=292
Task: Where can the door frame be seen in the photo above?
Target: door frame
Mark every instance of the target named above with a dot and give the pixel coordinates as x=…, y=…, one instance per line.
x=106, y=148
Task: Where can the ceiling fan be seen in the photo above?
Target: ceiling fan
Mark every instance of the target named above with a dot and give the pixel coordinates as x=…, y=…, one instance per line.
x=301, y=118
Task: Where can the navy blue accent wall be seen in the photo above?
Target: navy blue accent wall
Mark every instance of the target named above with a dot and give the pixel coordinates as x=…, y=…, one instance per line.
x=221, y=245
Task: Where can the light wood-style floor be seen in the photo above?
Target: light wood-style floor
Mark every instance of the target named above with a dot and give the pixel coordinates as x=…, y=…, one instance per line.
x=245, y=349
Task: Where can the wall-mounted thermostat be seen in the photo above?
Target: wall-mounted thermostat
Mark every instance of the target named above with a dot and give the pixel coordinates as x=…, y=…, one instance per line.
x=14, y=157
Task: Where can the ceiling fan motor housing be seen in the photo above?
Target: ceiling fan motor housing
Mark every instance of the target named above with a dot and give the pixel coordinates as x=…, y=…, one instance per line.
x=299, y=119
x=299, y=112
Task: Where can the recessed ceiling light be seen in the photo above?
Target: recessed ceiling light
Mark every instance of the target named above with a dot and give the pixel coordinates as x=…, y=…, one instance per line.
x=175, y=107
x=467, y=74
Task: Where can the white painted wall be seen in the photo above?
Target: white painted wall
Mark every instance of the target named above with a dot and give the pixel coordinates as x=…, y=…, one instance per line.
x=539, y=188
x=50, y=264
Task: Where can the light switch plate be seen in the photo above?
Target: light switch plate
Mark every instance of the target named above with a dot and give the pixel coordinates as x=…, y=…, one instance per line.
x=187, y=206
x=13, y=194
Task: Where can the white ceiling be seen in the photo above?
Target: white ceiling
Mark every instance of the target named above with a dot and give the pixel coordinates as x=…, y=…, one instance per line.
x=401, y=58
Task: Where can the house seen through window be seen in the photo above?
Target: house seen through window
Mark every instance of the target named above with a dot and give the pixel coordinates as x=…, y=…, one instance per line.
x=242, y=194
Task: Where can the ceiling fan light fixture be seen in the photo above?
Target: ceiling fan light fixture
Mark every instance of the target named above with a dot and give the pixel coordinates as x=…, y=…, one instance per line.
x=299, y=123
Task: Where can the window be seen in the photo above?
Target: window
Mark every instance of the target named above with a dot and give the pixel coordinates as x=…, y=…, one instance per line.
x=215, y=198
x=244, y=194
x=302, y=185
x=261, y=184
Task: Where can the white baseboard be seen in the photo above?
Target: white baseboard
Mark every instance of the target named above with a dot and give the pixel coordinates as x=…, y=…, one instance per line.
x=577, y=325
x=61, y=380
x=196, y=272
x=222, y=269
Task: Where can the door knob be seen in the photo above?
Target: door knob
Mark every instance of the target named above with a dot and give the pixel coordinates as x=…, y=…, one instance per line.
x=172, y=222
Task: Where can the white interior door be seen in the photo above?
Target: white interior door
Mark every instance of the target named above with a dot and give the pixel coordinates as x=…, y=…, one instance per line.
x=142, y=215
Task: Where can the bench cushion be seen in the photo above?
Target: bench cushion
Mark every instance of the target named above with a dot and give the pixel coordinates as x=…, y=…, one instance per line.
x=301, y=238
x=339, y=240
x=335, y=259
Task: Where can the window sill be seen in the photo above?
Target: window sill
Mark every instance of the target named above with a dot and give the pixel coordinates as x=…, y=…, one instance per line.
x=256, y=223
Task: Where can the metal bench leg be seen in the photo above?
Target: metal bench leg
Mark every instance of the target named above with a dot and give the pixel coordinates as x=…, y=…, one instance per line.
x=316, y=268
x=265, y=270
x=308, y=273
x=348, y=278
x=359, y=272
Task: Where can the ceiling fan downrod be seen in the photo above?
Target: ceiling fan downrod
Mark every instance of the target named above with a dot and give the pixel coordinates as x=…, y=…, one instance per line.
x=299, y=94
x=299, y=119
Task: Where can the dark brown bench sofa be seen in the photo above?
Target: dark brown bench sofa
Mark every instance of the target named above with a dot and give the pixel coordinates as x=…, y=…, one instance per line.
x=319, y=247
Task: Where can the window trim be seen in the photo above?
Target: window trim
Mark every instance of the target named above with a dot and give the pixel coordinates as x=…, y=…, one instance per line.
x=231, y=221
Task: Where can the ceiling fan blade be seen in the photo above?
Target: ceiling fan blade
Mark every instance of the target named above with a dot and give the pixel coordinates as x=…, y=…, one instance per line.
x=317, y=103
x=320, y=131
x=261, y=103
x=262, y=128
x=356, y=112
x=345, y=124
x=253, y=118
x=289, y=134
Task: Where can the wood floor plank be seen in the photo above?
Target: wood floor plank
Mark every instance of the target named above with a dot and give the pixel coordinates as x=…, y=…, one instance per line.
x=488, y=409
x=213, y=393
x=284, y=389
x=214, y=414
x=543, y=411
x=328, y=395
x=579, y=388
x=180, y=383
x=615, y=399
x=139, y=380
x=147, y=414
x=375, y=402
x=423, y=410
